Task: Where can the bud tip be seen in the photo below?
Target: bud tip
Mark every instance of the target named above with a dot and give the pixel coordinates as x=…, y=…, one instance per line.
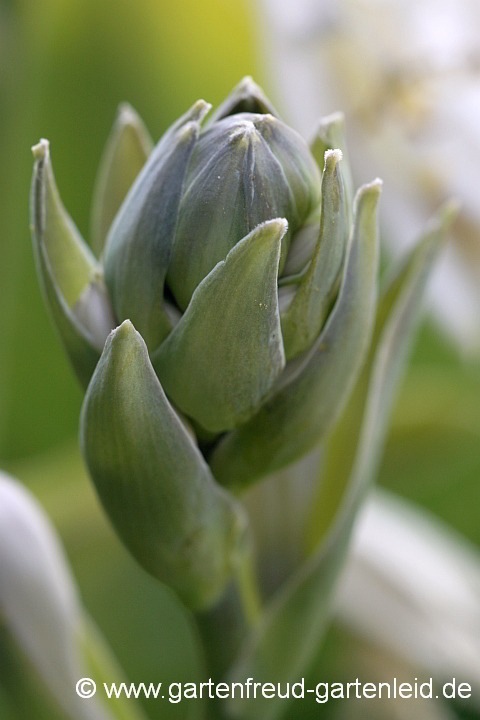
x=332, y=157
x=375, y=186
x=126, y=115
x=124, y=328
x=280, y=224
x=40, y=151
x=201, y=109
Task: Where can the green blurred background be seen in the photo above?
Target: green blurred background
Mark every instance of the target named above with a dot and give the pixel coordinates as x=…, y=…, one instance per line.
x=65, y=65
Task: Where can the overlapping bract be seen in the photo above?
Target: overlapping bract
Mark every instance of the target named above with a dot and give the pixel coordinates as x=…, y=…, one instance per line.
x=250, y=274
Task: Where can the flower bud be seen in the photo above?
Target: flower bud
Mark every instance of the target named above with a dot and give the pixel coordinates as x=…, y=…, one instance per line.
x=156, y=487
x=245, y=169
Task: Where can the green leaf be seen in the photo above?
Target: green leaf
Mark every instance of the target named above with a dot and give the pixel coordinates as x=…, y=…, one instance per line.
x=154, y=484
x=315, y=386
x=220, y=361
x=126, y=152
x=330, y=135
x=280, y=648
x=68, y=273
x=301, y=250
x=71, y=260
x=139, y=243
x=306, y=314
x=247, y=96
x=403, y=288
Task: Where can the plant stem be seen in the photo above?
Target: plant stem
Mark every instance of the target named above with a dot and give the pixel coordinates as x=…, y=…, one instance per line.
x=248, y=589
x=224, y=628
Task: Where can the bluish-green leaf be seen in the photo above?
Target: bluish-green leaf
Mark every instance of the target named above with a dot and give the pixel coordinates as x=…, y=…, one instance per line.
x=139, y=243
x=154, y=484
x=281, y=648
x=306, y=314
x=407, y=282
x=315, y=387
x=222, y=358
x=125, y=153
x=247, y=96
x=329, y=135
x=68, y=273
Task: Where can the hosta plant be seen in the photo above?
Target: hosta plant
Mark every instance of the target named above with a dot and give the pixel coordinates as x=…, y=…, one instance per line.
x=225, y=324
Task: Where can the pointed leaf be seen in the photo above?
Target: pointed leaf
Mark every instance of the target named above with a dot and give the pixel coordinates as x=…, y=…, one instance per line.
x=152, y=480
x=221, y=360
x=126, y=152
x=280, y=647
x=68, y=273
x=329, y=135
x=247, y=96
x=315, y=387
x=408, y=281
x=139, y=243
x=301, y=250
x=304, y=318
x=70, y=258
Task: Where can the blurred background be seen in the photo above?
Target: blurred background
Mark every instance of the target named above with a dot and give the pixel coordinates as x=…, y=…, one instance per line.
x=408, y=80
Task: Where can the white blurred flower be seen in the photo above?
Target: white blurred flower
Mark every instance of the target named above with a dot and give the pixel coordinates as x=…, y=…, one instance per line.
x=412, y=587
x=38, y=599
x=407, y=75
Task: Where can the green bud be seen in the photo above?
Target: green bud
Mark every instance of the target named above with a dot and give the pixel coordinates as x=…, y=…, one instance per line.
x=221, y=360
x=253, y=293
x=70, y=277
x=245, y=169
x=303, y=318
x=314, y=388
x=152, y=479
x=126, y=152
x=330, y=134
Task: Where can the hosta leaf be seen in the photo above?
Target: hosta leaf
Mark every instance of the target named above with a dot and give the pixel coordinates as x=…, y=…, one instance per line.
x=404, y=286
x=281, y=648
x=139, y=243
x=126, y=152
x=68, y=273
x=329, y=135
x=317, y=385
x=304, y=317
x=222, y=358
x=151, y=478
